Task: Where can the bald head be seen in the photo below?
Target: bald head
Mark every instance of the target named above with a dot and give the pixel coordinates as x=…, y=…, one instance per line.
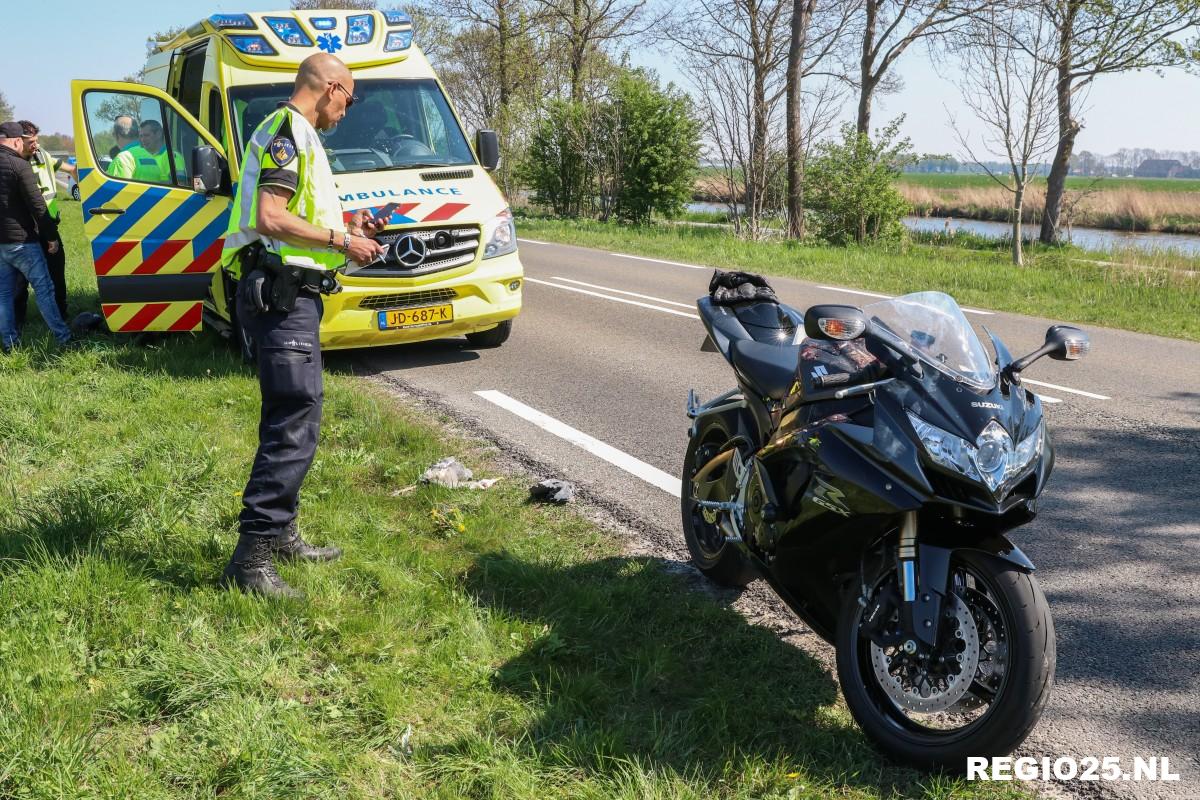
x=318, y=70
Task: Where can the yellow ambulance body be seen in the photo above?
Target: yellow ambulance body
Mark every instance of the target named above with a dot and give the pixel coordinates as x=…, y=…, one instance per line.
x=452, y=266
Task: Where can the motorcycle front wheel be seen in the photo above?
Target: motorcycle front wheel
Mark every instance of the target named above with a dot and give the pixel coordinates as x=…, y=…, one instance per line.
x=979, y=694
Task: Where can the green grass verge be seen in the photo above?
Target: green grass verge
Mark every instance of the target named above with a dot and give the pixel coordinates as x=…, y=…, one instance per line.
x=469, y=645
x=1060, y=283
x=935, y=180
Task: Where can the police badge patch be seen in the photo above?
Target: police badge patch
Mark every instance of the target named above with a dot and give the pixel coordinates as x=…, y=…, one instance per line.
x=283, y=150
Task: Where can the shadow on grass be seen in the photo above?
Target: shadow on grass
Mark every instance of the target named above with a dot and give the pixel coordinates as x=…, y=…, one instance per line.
x=633, y=667
x=81, y=521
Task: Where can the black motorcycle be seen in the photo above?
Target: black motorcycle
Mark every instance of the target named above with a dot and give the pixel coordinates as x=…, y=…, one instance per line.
x=869, y=473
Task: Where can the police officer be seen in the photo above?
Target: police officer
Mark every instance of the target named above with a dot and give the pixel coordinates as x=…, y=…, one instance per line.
x=286, y=234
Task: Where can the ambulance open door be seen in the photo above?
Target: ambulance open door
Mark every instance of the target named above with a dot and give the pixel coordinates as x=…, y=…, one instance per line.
x=155, y=229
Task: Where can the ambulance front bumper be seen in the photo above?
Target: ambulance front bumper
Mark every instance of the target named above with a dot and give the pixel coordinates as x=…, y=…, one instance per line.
x=481, y=299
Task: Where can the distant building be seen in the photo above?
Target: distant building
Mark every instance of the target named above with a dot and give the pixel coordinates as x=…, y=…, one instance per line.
x=1160, y=168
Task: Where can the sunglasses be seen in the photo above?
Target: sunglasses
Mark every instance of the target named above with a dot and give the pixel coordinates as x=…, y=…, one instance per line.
x=351, y=99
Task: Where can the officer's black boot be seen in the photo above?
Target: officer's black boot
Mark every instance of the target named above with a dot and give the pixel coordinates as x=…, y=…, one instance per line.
x=251, y=569
x=288, y=546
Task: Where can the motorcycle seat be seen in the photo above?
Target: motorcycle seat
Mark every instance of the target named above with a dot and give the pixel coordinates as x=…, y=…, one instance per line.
x=769, y=368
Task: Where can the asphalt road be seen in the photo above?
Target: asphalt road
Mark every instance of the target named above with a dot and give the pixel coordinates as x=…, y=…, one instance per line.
x=607, y=347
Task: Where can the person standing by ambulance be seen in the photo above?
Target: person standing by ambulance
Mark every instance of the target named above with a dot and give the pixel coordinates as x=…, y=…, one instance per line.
x=45, y=167
x=286, y=236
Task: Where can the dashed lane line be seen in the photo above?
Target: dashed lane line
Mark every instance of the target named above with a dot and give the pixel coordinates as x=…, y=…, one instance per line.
x=614, y=299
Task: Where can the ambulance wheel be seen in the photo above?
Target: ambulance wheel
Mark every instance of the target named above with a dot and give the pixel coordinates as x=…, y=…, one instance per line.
x=75, y=193
x=493, y=337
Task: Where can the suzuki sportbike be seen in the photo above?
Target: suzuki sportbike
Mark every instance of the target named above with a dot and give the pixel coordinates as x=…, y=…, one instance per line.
x=868, y=465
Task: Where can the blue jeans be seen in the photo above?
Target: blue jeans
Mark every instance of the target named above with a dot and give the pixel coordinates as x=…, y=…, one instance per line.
x=29, y=261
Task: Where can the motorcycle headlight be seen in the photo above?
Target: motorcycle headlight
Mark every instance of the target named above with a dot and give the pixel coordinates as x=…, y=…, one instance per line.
x=1027, y=450
x=991, y=460
x=945, y=448
x=499, y=235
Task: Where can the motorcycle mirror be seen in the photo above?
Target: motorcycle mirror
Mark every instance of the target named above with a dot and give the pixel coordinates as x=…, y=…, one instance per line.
x=1069, y=343
x=1063, y=343
x=834, y=322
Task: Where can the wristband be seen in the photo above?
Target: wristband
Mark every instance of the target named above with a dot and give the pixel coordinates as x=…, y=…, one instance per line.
x=329, y=246
x=346, y=243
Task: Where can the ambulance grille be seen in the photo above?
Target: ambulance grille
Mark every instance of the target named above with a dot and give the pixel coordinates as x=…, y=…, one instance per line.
x=377, y=302
x=448, y=175
x=445, y=248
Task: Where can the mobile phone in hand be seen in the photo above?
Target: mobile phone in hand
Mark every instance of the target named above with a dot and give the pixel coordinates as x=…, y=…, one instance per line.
x=384, y=214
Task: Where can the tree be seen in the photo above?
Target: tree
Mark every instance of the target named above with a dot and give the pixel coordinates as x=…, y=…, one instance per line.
x=889, y=27
x=817, y=32
x=734, y=51
x=851, y=185
x=509, y=23
x=631, y=154
x=1008, y=84
x=1104, y=37
x=6, y=109
x=585, y=27
x=659, y=140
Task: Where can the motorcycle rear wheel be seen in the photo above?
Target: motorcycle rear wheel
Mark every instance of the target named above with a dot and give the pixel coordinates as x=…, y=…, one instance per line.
x=1014, y=618
x=720, y=560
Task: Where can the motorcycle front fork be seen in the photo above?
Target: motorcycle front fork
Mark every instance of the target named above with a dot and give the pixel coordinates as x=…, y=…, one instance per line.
x=922, y=573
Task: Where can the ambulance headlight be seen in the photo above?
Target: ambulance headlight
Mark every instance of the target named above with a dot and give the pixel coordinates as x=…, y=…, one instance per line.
x=499, y=235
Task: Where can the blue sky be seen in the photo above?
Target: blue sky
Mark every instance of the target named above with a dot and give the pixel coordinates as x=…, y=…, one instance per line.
x=107, y=40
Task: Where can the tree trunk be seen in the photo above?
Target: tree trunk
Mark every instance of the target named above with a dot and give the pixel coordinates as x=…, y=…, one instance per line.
x=802, y=11
x=1056, y=181
x=502, y=43
x=867, y=80
x=578, y=52
x=1018, y=254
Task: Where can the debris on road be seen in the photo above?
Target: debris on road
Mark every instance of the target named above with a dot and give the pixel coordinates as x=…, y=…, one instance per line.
x=553, y=491
x=451, y=473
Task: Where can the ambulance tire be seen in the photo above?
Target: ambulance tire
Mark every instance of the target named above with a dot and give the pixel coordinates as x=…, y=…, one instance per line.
x=493, y=337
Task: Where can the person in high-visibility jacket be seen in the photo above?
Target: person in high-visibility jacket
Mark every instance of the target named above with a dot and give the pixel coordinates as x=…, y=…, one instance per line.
x=286, y=235
x=148, y=160
x=45, y=167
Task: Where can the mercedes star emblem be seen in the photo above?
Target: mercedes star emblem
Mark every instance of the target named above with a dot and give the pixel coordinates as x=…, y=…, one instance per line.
x=410, y=251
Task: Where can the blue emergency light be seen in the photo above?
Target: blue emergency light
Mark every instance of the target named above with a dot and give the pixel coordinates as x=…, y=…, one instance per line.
x=252, y=45
x=323, y=23
x=289, y=31
x=238, y=22
x=360, y=29
x=398, y=40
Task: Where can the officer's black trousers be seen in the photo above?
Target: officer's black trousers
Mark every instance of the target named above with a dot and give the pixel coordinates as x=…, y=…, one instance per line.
x=287, y=351
x=57, y=262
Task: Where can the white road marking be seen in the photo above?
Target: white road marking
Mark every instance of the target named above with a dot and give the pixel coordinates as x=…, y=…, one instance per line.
x=1065, y=389
x=889, y=297
x=614, y=299
x=622, y=291
x=1047, y=398
x=661, y=261
x=618, y=458
x=531, y=241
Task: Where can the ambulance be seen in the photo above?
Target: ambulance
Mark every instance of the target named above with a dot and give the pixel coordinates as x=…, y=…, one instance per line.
x=451, y=267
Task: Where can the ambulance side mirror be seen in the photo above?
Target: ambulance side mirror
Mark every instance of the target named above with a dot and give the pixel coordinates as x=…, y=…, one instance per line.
x=487, y=145
x=210, y=171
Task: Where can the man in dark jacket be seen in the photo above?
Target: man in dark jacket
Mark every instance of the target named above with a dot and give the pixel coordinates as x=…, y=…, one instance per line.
x=45, y=167
x=25, y=223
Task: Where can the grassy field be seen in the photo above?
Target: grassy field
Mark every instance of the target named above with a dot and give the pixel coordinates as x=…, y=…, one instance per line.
x=1127, y=204
x=1158, y=295
x=469, y=645
x=935, y=180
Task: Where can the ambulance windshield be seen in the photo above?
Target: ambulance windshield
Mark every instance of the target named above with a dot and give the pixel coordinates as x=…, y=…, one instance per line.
x=395, y=124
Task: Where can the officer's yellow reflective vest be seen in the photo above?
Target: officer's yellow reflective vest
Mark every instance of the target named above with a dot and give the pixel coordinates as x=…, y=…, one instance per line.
x=315, y=199
x=43, y=171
